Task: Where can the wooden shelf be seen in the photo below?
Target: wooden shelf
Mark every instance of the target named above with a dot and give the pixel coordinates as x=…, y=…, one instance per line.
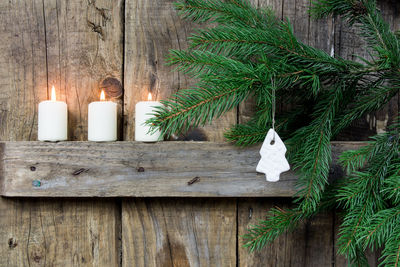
x=133, y=169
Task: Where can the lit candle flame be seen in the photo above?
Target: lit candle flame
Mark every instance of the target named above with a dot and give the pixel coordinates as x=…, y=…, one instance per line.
x=149, y=97
x=53, y=93
x=102, y=96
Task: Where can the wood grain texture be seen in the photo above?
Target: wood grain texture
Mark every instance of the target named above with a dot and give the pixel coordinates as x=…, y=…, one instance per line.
x=87, y=169
x=349, y=45
x=152, y=28
x=44, y=43
x=84, y=47
x=22, y=68
x=61, y=233
x=179, y=232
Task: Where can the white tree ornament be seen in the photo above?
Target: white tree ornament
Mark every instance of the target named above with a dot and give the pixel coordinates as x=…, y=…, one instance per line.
x=273, y=161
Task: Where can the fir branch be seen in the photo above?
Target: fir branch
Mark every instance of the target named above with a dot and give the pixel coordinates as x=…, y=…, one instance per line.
x=380, y=227
x=238, y=56
x=391, y=251
x=312, y=152
x=276, y=223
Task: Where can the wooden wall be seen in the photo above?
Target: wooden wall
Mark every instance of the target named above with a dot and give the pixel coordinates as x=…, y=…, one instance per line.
x=76, y=45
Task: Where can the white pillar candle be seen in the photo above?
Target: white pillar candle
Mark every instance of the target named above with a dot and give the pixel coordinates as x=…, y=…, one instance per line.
x=102, y=120
x=52, y=119
x=143, y=112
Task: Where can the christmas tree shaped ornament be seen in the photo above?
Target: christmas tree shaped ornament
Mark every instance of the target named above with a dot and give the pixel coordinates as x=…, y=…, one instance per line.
x=273, y=161
x=273, y=150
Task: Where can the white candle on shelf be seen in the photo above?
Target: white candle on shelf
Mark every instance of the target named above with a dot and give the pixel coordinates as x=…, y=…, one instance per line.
x=102, y=120
x=143, y=112
x=52, y=119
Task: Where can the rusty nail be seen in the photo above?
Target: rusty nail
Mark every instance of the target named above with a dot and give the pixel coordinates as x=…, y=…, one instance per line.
x=194, y=180
x=140, y=169
x=77, y=172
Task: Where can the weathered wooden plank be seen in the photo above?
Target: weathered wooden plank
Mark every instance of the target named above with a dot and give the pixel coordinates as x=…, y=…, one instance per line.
x=152, y=28
x=22, y=68
x=84, y=47
x=87, y=169
x=179, y=232
x=349, y=44
x=44, y=43
x=61, y=233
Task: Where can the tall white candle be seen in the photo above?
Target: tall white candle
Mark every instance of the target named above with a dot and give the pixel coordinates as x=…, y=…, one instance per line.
x=143, y=112
x=52, y=119
x=102, y=120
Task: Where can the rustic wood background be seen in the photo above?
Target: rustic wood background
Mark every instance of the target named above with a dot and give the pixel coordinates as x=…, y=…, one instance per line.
x=83, y=45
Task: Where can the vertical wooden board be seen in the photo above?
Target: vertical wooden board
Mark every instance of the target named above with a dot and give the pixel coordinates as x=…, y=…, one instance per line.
x=311, y=244
x=84, y=47
x=320, y=240
x=58, y=233
x=22, y=68
x=175, y=232
x=390, y=11
x=179, y=232
x=55, y=36
x=297, y=13
x=152, y=28
x=322, y=34
x=350, y=44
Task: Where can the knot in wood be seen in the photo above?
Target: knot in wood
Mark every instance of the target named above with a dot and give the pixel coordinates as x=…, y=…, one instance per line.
x=112, y=87
x=140, y=169
x=32, y=168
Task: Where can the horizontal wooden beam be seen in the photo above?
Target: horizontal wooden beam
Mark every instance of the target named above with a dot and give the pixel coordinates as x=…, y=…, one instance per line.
x=133, y=169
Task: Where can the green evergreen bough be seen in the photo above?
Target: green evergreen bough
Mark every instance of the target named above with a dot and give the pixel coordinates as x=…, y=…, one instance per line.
x=247, y=49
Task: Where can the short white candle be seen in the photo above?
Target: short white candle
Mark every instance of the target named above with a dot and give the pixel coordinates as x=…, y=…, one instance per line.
x=143, y=112
x=102, y=120
x=52, y=119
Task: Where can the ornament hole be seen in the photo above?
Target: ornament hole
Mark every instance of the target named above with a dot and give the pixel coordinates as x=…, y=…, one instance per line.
x=272, y=142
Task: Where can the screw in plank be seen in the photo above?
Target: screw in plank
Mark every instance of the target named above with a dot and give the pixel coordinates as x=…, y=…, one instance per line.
x=32, y=168
x=36, y=183
x=140, y=169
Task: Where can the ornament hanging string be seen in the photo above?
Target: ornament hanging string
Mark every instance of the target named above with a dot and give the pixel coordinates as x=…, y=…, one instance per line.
x=273, y=107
